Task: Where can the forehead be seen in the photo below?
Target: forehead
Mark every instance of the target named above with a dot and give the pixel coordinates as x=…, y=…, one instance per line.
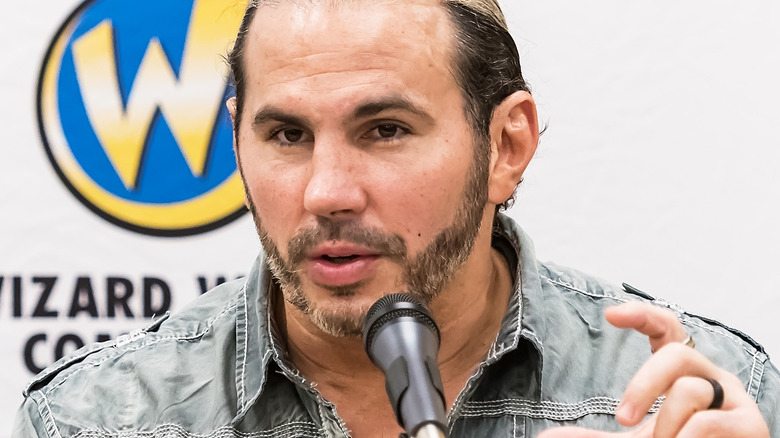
x=367, y=18
x=293, y=38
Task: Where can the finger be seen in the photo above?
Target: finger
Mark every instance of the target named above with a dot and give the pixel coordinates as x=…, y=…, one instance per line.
x=656, y=377
x=741, y=423
x=686, y=397
x=708, y=424
x=660, y=325
x=739, y=416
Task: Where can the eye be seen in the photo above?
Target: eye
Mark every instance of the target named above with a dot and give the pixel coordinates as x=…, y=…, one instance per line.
x=386, y=131
x=292, y=135
x=289, y=136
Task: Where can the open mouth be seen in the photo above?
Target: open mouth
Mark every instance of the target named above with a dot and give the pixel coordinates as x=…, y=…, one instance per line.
x=339, y=260
x=341, y=267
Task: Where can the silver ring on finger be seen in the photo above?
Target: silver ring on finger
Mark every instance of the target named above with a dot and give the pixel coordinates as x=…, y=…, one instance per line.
x=688, y=342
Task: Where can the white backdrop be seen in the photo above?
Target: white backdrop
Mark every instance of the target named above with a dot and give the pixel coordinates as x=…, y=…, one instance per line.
x=658, y=169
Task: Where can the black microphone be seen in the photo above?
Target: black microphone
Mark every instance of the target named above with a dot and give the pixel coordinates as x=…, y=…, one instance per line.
x=402, y=340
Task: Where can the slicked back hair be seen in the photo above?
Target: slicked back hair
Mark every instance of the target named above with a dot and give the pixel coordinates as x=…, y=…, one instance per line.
x=485, y=65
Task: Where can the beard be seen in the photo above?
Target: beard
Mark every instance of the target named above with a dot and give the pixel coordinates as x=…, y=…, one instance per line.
x=424, y=275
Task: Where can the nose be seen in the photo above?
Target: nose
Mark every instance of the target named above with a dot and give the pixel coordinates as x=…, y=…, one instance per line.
x=336, y=185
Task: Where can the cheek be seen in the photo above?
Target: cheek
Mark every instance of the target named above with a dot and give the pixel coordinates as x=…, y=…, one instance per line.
x=422, y=199
x=276, y=191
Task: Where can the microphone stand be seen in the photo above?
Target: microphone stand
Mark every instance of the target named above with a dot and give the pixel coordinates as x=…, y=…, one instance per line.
x=402, y=339
x=429, y=431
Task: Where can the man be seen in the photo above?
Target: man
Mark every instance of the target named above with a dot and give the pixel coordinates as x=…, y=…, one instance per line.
x=377, y=140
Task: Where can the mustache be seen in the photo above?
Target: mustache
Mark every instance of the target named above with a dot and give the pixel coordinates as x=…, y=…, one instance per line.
x=391, y=245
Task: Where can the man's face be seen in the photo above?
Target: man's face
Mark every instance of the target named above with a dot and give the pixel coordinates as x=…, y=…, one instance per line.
x=358, y=161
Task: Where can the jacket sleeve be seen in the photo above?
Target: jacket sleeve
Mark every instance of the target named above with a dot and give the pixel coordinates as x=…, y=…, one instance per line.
x=769, y=398
x=29, y=424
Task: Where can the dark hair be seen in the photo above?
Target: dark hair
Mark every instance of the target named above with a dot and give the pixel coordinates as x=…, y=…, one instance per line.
x=234, y=58
x=486, y=64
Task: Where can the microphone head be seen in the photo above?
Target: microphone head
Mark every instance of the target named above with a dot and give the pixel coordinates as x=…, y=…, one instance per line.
x=402, y=339
x=390, y=308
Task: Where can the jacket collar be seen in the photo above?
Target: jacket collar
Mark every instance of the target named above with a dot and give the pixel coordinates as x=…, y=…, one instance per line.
x=524, y=319
x=254, y=341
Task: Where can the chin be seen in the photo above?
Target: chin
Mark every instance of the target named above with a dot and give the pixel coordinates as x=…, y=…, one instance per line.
x=344, y=320
x=336, y=311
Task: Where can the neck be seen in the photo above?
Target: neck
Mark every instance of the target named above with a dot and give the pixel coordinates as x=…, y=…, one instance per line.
x=469, y=313
x=469, y=321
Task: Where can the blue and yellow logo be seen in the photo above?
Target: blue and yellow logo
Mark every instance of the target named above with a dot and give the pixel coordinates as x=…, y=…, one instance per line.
x=131, y=107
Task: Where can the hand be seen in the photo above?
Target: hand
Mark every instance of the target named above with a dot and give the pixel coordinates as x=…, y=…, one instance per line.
x=660, y=325
x=678, y=372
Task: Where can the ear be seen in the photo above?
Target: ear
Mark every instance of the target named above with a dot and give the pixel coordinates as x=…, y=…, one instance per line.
x=231, y=106
x=514, y=134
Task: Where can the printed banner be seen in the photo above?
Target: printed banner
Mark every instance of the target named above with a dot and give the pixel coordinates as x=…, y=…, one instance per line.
x=132, y=136
x=120, y=199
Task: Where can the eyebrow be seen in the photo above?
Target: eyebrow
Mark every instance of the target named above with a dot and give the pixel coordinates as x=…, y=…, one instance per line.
x=373, y=107
x=366, y=109
x=274, y=114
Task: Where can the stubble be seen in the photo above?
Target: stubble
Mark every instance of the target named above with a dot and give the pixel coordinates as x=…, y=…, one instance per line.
x=424, y=275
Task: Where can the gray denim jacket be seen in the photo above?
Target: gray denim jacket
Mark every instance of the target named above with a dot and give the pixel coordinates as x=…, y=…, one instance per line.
x=217, y=369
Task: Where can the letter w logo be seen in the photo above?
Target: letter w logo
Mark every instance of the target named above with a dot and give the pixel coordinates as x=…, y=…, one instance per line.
x=189, y=103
